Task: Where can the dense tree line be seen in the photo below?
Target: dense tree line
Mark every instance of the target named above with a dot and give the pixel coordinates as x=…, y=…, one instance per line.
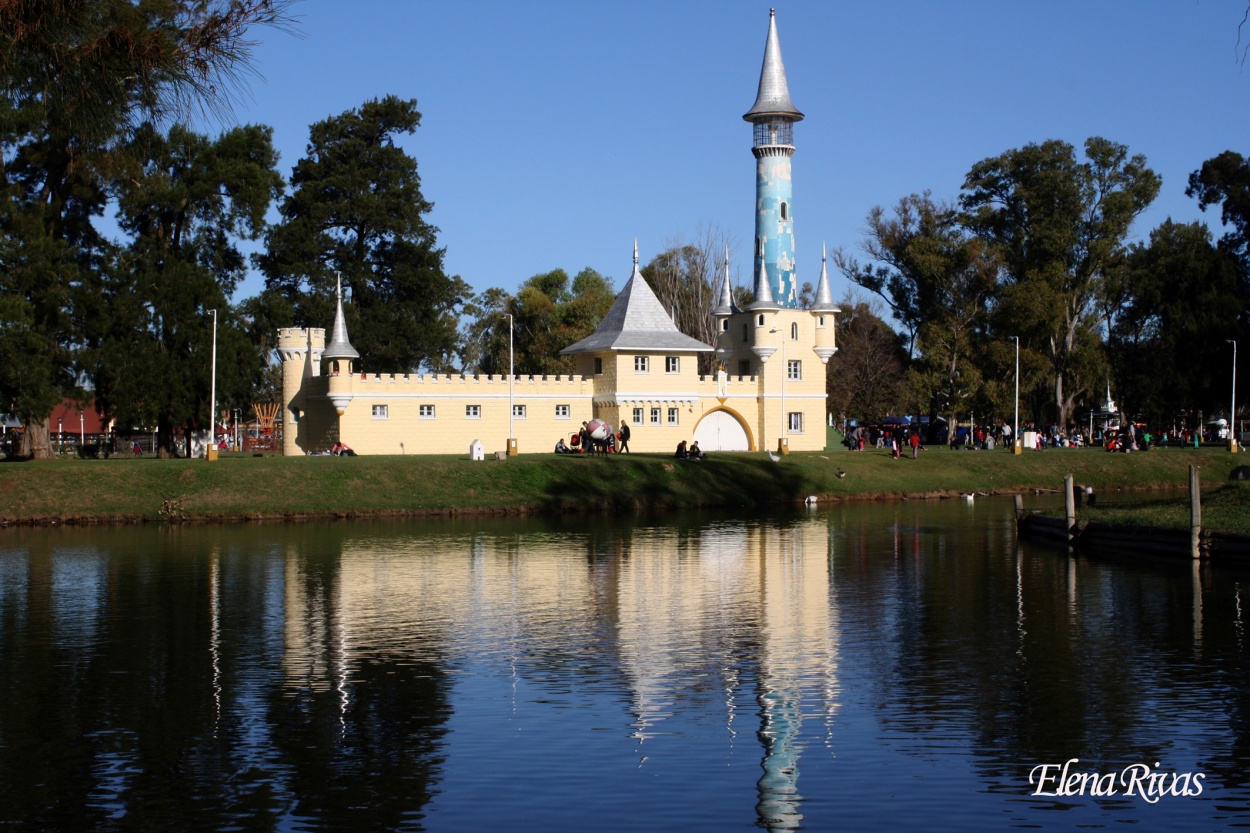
x=1036, y=249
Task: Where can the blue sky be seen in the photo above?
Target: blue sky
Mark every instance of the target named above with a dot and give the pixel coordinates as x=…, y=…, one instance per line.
x=553, y=134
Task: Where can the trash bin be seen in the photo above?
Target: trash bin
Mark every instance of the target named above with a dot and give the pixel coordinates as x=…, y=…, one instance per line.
x=1017, y=447
x=783, y=445
x=512, y=450
x=212, y=452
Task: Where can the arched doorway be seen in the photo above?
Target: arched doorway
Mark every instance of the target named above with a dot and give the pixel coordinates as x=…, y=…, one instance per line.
x=721, y=431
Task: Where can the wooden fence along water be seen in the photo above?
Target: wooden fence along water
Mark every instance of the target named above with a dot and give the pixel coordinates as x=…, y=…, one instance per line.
x=1126, y=539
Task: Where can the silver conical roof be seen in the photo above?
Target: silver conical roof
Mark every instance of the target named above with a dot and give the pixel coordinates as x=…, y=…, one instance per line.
x=726, y=306
x=764, y=291
x=824, y=295
x=637, y=321
x=773, y=98
x=339, y=347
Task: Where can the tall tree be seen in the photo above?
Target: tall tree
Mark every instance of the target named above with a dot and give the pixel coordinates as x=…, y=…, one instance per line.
x=1225, y=181
x=867, y=379
x=77, y=75
x=356, y=208
x=939, y=283
x=548, y=314
x=1059, y=226
x=1182, y=302
x=185, y=201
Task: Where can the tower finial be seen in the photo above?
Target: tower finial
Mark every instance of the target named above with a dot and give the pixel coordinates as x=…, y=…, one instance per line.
x=635, y=254
x=773, y=97
x=339, y=346
x=824, y=295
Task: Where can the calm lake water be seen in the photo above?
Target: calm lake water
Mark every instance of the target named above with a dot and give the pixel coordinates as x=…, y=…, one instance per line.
x=879, y=666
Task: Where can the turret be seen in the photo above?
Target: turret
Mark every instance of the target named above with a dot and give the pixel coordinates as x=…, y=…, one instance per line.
x=773, y=116
x=823, y=310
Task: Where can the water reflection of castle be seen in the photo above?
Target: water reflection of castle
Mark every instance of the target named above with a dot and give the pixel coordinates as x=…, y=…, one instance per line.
x=739, y=615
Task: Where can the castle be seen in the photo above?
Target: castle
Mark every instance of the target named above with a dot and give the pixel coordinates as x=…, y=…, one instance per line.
x=637, y=367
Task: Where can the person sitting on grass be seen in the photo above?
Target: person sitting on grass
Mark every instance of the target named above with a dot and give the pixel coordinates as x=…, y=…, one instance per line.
x=681, y=450
x=696, y=453
x=561, y=448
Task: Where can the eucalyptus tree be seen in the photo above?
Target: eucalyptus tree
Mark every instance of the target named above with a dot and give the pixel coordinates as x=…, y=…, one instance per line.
x=940, y=283
x=1058, y=225
x=356, y=210
x=77, y=76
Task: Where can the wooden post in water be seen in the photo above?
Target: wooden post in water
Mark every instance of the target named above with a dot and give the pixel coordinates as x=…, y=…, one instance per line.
x=1019, y=507
x=1069, y=503
x=1195, y=512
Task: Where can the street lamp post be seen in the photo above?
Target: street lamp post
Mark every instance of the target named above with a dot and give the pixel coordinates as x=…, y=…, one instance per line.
x=511, y=377
x=212, y=396
x=1015, y=437
x=82, y=430
x=1232, y=409
x=236, y=430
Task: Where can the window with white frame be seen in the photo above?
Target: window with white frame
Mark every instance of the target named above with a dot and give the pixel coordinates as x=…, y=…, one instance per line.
x=820, y=321
x=672, y=364
x=794, y=332
x=672, y=416
x=426, y=412
x=562, y=411
x=518, y=412
x=637, y=416
x=796, y=422
x=472, y=411
x=794, y=370
x=642, y=364
x=655, y=416
x=380, y=412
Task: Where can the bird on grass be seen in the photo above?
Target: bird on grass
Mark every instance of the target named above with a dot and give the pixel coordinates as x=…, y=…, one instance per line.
x=841, y=474
x=774, y=457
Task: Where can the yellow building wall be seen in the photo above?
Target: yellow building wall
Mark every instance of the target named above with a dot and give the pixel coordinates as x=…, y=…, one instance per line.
x=382, y=413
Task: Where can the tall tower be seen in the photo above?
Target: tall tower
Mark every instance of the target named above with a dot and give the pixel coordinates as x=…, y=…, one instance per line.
x=773, y=117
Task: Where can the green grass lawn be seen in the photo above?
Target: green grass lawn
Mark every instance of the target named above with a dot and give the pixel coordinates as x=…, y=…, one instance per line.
x=241, y=486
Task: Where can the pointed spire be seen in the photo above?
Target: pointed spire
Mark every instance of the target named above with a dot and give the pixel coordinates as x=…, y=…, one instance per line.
x=773, y=98
x=764, y=291
x=339, y=347
x=726, y=305
x=824, y=295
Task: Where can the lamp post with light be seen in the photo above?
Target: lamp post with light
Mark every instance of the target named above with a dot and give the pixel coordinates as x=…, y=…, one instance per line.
x=1232, y=409
x=212, y=396
x=1015, y=437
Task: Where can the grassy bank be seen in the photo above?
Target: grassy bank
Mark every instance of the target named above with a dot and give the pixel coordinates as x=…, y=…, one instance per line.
x=1226, y=508
x=124, y=489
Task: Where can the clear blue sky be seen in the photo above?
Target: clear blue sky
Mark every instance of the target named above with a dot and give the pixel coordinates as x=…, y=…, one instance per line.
x=553, y=134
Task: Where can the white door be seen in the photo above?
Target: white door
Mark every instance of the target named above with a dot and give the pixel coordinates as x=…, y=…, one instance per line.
x=720, y=431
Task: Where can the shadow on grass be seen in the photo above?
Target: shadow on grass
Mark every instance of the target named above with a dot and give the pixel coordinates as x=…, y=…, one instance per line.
x=661, y=482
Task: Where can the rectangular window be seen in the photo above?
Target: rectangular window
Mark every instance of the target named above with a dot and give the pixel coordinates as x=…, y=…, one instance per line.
x=672, y=364
x=672, y=416
x=642, y=364
x=794, y=370
x=598, y=366
x=637, y=416
x=518, y=412
x=744, y=367
x=379, y=412
x=655, y=416
x=562, y=411
x=472, y=411
x=746, y=333
x=796, y=422
x=426, y=412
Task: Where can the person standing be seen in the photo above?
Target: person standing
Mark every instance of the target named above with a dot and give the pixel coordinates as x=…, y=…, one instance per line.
x=623, y=448
x=915, y=445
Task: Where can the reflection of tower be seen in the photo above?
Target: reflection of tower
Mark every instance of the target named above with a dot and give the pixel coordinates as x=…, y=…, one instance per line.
x=773, y=116
x=797, y=647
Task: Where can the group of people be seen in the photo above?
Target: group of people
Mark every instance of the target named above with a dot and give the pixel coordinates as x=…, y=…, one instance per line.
x=583, y=443
x=691, y=453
